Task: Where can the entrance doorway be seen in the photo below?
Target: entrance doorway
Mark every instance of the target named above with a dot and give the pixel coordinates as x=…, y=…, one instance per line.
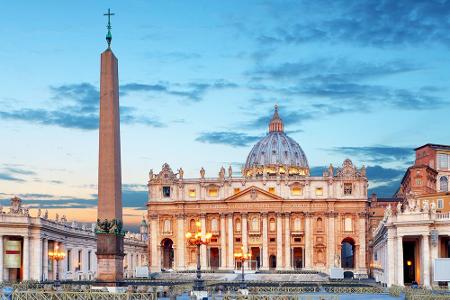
x=409, y=262
x=297, y=255
x=348, y=253
x=255, y=259
x=272, y=262
x=214, y=258
x=168, y=255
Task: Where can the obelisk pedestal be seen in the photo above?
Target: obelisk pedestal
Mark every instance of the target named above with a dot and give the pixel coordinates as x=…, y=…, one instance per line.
x=109, y=220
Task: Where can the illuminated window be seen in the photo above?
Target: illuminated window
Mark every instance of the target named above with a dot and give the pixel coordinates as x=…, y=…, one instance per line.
x=418, y=181
x=272, y=190
x=237, y=190
x=192, y=193
x=213, y=192
x=296, y=191
x=238, y=225
x=319, y=191
x=347, y=188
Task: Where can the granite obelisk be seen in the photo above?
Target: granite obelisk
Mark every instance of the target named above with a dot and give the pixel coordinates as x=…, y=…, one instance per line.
x=109, y=213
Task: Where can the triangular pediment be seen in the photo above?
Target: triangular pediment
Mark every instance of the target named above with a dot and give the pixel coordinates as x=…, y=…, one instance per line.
x=253, y=193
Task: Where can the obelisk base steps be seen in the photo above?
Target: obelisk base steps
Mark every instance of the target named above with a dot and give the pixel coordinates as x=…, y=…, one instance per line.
x=110, y=258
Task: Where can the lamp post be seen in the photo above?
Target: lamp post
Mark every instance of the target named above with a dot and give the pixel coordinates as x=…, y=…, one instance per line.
x=56, y=255
x=197, y=239
x=242, y=257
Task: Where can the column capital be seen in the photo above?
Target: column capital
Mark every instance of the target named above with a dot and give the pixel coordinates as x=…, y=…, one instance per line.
x=264, y=214
x=279, y=214
x=222, y=215
x=180, y=216
x=230, y=215
x=309, y=214
x=203, y=215
x=244, y=214
x=287, y=214
x=153, y=216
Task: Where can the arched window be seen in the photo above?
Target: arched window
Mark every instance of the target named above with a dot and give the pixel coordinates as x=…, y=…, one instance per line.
x=214, y=225
x=443, y=184
x=297, y=224
x=167, y=226
x=272, y=225
x=255, y=224
x=238, y=225
x=319, y=224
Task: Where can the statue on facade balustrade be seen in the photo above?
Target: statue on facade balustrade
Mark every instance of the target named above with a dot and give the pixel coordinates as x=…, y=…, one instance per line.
x=426, y=206
x=230, y=172
x=337, y=261
x=399, y=208
x=388, y=211
x=150, y=174
x=433, y=207
x=202, y=173
x=180, y=173
x=46, y=214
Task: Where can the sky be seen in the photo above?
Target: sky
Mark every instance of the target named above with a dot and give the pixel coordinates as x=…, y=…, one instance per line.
x=365, y=80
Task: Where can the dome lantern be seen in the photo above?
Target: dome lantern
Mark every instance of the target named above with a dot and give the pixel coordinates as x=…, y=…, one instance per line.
x=276, y=124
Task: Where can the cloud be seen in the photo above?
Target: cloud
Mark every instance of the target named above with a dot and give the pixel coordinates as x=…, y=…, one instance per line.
x=193, y=91
x=16, y=170
x=368, y=23
x=378, y=173
x=377, y=154
x=234, y=139
x=77, y=108
x=385, y=190
x=8, y=177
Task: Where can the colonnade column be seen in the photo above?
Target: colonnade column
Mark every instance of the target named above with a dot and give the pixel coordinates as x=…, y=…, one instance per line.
x=287, y=243
x=37, y=244
x=434, y=252
x=203, y=260
x=45, y=260
x=223, y=242
x=390, y=272
x=426, y=260
x=362, y=241
x=308, y=241
x=279, y=241
x=154, y=245
x=1, y=258
x=331, y=240
x=245, y=235
x=181, y=244
x=265, y=238
x=26, y=258
x=230, y=261
x=400, y=260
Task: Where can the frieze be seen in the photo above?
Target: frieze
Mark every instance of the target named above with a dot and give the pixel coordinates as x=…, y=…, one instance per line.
x=106, y=226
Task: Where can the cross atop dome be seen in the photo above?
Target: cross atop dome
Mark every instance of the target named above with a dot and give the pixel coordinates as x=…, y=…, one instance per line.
x=276, y=124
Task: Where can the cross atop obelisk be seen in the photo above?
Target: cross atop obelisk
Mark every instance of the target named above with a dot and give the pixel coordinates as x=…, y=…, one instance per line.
x=109, y=212
x=109, y=35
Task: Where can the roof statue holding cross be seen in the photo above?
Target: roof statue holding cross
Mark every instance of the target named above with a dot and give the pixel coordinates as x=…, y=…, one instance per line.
x=109, y=35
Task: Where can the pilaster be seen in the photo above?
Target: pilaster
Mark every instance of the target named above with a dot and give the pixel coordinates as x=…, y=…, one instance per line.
x=265, y=237
x=279, y=241
x=287, y=242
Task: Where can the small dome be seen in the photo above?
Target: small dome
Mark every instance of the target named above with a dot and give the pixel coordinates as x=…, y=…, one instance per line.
x=276, y=153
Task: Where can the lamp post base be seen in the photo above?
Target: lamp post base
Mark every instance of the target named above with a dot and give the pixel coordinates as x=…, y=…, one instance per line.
x=199, y=284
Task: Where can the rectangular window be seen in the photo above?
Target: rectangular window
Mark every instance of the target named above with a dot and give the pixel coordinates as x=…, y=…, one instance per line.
x=89, y=260
x=166, y=191
x=79, y=260
x=296, y=191
x=443, y=161
x=192, y=193
x=238, y=240
x=237, y=190
x=440, y=204
x=213, y=192
x=272, y=190
x=272, y=240
x=319, y=191
x=418, y=181
x=348, y=188
x=69, y=259
x=297, y=240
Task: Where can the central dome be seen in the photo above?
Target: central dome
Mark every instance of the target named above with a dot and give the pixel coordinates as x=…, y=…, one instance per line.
x=276, y=153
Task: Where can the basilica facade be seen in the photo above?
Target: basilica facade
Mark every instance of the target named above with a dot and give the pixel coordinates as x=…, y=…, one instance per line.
x=276, y=211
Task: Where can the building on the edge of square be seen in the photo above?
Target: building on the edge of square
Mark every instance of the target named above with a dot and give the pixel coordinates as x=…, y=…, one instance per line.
x=429, y=177
x=407, y=241
x=286, y=218
x=26, y=241
x=376, y=208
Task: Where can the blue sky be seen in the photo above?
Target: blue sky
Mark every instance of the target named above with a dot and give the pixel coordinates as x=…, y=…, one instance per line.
x=366, y=80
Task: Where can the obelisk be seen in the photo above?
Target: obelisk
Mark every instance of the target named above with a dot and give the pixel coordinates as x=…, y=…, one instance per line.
x=109, y=213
